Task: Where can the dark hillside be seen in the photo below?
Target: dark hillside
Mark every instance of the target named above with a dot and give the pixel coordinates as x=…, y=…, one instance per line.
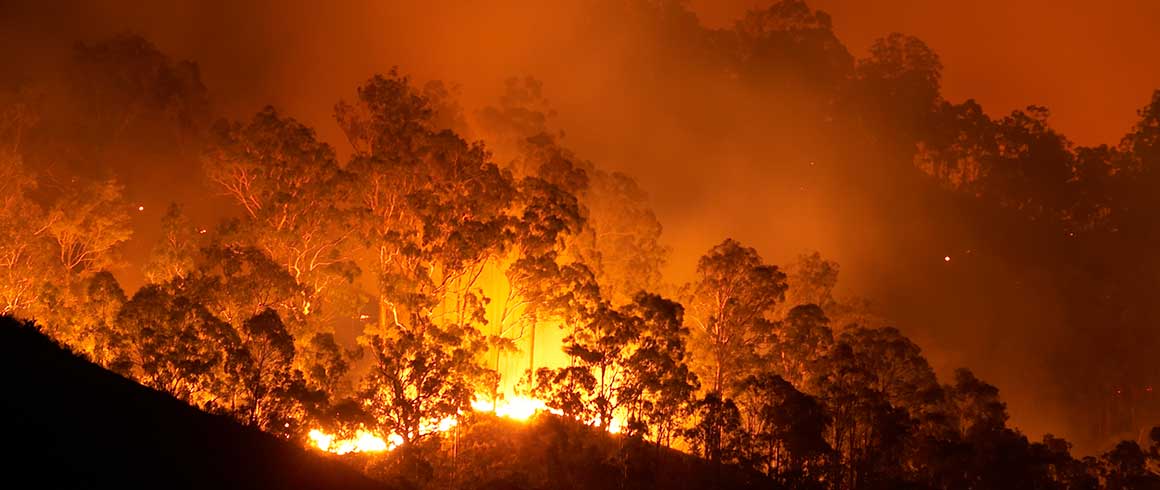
x=72, y=424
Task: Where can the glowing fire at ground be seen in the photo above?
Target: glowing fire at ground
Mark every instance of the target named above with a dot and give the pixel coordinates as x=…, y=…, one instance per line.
x=516, y=408
x=363, y=441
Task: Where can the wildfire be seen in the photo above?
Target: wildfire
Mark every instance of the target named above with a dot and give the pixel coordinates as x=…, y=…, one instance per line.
x=519, y=408
x=363, y=441
x=516, y=408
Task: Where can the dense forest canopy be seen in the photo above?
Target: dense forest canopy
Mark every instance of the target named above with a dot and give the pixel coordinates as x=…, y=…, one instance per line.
x=423, y=254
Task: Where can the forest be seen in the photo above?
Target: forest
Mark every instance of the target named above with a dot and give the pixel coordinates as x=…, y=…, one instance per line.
x=409, y=296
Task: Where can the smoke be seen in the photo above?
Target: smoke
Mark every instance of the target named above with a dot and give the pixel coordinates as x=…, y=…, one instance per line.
x=641, y=93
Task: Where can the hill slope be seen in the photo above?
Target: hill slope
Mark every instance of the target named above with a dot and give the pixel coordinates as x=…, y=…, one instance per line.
x=71, y=424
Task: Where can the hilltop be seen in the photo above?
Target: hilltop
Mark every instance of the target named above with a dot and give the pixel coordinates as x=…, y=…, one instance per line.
x=72, y=424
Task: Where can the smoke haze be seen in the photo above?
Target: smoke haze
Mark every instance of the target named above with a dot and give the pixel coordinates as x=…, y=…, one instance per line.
x=718, y=159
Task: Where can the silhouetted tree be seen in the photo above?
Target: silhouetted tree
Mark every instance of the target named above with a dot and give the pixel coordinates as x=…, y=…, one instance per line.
x=273, y=387
x=800, y=342
x=897, y=87
x=717, y=435
x=626, y=364
x=792, y=47
x=171, y=343
x=786, y=429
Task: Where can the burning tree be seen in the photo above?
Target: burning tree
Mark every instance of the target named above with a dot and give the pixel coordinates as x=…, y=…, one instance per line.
x=628, y=370
x=433, y=212
x=423, y=376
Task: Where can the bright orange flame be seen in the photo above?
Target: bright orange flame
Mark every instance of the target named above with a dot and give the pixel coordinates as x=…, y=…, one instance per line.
x=363, y=441
x=520, y=408
x=516, y=408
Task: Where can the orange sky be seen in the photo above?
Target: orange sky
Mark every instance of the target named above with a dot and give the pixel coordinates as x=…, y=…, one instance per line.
x=1092, y=63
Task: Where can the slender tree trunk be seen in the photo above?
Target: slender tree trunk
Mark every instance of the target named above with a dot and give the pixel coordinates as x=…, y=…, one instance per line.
x=532, y=350
x=382, y=312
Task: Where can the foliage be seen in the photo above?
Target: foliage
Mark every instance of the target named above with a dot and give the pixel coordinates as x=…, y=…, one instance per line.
x=787, y=430
x=717, y=434
x=731, y=303
x=171, y=343
x=798, y=385
x=421, y=376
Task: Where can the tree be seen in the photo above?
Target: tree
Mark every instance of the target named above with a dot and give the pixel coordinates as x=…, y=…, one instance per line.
x=24, y=255
x=958, y=146
x=296, y=201
x=627, y=366
x=1065, y=470
x=623, y=240
x=810, y=280
x=120, y=107
x=897, y=369
x=125, y=84
x=171, y=343
x=520, y=113
x=717, y=434
x=896, y=90
x=55, y=259
x=324, y=364
x=174, y=258
x=1125, y=467
x=433, y=209
x=786, y=428
x=665, y=385
x=273, y=387
x=867, y=432
x=1022, y=163
x=1033, y=167
x=547, y=216
x=84, y=315
x=85, y=224
x=597, y=383
x=731, y=301
x=422, y=374
x=790, y=46
x=239, y=283
x=976, y=406
x=800, y=342
x=620, y=237
x=433, y=212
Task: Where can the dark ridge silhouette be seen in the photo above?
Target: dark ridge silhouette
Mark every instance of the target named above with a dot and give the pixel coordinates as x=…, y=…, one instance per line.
x=79, y=426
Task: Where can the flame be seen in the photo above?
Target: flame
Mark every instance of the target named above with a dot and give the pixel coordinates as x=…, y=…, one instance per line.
x=519, y=408
x=363, y=441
